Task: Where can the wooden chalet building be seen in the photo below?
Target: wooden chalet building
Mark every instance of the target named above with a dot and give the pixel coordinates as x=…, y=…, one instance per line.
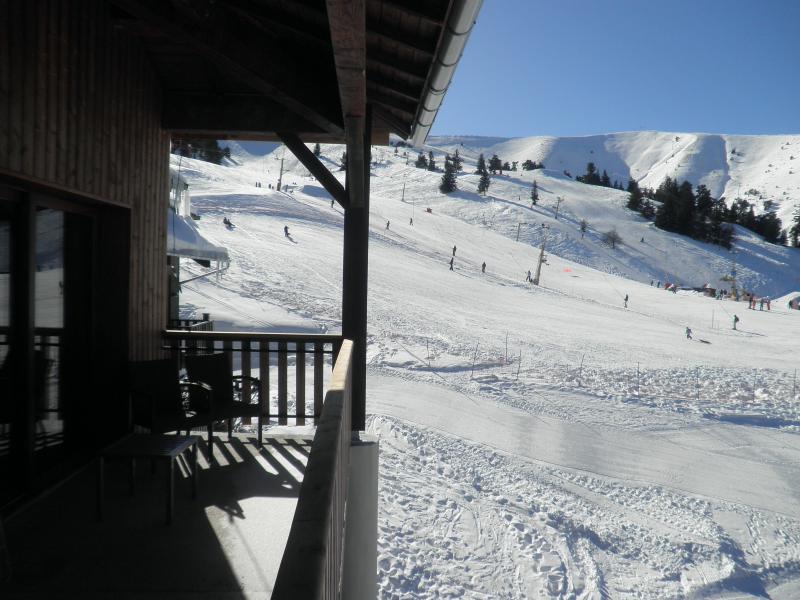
x=91, y=92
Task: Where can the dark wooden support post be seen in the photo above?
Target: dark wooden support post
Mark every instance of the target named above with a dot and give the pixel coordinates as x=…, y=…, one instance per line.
x=356, y=261
x=23, y=255
x=347, y=20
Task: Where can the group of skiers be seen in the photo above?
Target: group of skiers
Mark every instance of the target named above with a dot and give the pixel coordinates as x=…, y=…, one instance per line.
x=453, y=258
x=761, y=302
x=227, y=222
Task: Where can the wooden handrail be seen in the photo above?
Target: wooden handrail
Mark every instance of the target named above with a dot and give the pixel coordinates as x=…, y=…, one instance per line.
x=311, y=567
x=179, y=334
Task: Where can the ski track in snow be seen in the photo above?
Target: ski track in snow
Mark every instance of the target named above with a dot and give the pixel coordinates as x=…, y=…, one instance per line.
x=485, y=513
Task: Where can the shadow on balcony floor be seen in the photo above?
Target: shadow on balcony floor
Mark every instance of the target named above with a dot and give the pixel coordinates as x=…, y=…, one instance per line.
x=227, y=543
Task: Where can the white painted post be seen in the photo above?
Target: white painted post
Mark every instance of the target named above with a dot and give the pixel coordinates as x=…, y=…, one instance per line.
x=697, y=384
x=580, y=371
x=360, y=564
x=637, y=380
x=474, y=358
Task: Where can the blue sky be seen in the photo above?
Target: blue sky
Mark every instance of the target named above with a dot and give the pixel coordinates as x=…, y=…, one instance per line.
x=580, y=67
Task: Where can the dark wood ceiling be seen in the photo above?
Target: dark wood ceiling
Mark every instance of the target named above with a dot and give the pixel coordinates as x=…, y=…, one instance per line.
x=250, y=68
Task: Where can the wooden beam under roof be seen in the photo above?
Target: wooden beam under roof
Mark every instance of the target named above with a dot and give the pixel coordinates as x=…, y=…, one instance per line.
x=422, y=9
x=406, y=39
x=315, y=166
x=246, y=113
x=238, y=47
x=347, y=21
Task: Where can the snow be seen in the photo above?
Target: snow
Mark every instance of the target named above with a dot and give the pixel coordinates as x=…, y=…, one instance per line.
x=539, y=441
x=769, y=164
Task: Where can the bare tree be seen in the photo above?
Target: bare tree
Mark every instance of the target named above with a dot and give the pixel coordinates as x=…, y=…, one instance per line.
x=612, y=238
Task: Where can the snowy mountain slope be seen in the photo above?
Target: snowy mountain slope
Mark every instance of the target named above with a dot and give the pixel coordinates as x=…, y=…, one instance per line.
x=537, y=441
x=729, y=165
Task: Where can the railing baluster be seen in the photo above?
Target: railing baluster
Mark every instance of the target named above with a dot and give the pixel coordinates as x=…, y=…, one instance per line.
x=300, y=379
x=263, y=377
x=246, y=373
x=282, y=384
x=319, y=359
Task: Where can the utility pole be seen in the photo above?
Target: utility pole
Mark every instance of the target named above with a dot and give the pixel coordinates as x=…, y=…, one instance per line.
x=280, y=175
x=518, y=226
x=541, y=256
x=559, y=200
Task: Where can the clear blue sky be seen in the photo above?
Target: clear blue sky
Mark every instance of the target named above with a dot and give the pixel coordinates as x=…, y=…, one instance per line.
x=580, y=67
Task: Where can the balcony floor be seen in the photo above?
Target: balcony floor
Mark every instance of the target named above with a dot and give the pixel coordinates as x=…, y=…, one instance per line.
x=226, y=543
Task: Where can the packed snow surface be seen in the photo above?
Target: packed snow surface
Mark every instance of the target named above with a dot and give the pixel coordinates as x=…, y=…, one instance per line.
x=538, y=441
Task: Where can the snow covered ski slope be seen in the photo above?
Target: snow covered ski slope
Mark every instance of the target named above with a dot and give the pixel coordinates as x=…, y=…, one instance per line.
x=538, y=442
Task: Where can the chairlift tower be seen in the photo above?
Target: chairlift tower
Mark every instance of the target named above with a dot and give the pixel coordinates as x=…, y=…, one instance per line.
x=541, y=255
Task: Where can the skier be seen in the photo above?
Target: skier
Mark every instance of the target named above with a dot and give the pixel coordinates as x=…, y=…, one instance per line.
x=483, y=268
x=528, y=276
x=768, y=303
x=411, y=221
x=387, y=225
x=761, y=304
x=286, y=230
x=735, y=321
x=642, y=240
x=688, y=333
x=626, y=300
x=451, y=263
x=454, y=250
x=331, y=203
x=658, y=285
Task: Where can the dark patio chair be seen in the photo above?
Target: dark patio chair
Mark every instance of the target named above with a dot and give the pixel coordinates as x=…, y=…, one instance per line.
x=229, y=389
x=162, y=403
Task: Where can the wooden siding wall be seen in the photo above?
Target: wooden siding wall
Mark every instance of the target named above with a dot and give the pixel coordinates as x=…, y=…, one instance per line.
x=80, y=112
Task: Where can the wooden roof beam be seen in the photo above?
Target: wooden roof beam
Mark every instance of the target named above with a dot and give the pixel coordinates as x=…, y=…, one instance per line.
x=317, y=169
x=406, y=40
x=248, y=114
x=347, y=20
x=271, y=70
x=421, y=9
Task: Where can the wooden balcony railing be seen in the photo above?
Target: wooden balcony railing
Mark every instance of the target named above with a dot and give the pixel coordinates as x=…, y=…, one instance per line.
x=269, y=357
x=311, y=567
x=192, y=324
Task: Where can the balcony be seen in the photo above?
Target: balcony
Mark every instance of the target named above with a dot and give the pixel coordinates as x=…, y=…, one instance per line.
x=267, y=522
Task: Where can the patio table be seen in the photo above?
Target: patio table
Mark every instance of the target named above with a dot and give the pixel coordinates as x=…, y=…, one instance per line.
x=154, y=447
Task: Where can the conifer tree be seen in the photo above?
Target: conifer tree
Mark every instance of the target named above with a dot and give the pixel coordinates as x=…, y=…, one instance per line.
x=422, y=162
x=495, y=164
x=528, y=165
x=431, y=161
x=318, y=150
x=457, y=162
x=794, y=231
x=634, y=195
x=448, y=183
x=584, y=225
x=343, y=161
x=534, y=194
x=605, y=180
x=483, y=183
x=481, y=167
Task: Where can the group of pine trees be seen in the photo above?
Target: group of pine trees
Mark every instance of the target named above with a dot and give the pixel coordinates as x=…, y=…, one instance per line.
x=592, y=177
x=695, y=213
x=531, y=165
